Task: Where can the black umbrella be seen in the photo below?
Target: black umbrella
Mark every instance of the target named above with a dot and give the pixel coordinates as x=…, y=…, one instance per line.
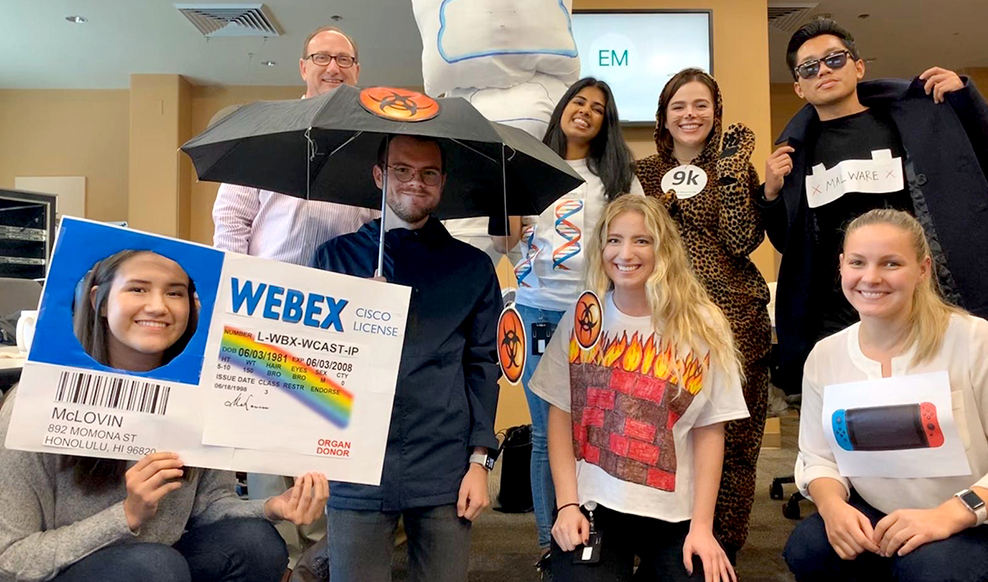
x=324, y=148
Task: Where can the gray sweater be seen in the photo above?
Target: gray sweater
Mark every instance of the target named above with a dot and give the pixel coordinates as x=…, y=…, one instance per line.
x=48, y=524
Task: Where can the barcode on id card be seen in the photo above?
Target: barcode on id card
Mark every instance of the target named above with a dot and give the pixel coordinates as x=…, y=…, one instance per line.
x=134, y=395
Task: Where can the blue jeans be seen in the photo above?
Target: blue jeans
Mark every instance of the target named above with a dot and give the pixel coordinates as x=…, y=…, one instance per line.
x=361, y=544
x=962, y=557
x=231, y=550
x=543, y=492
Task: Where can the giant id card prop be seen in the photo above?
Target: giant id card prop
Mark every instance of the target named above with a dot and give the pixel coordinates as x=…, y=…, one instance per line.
x=288, y=369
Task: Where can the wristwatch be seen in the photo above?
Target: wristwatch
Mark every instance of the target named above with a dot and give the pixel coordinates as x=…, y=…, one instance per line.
x=975, y=503
x=484, y=460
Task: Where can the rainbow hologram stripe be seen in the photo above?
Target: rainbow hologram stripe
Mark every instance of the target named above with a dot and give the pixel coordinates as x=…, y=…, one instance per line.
x=324, y=396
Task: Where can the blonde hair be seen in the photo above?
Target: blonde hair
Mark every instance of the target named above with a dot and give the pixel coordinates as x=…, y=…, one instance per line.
x=682, y=311
x=930, y=314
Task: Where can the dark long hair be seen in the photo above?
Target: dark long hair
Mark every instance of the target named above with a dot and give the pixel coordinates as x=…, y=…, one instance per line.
x=89, y=321
x=92, y=330
x=610, y=158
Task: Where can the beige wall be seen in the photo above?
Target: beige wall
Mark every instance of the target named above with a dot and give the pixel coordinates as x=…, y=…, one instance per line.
x=979, y=75
x=158, y=110
x=69, y=133
x=785, y=104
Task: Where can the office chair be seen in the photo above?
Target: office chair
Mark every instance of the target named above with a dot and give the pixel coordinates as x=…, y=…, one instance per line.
x=18, y=295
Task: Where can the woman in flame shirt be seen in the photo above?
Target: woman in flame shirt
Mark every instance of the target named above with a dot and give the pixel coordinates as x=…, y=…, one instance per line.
x=636, y=422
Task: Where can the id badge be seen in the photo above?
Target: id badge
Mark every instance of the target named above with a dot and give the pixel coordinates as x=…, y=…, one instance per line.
x=588, y=553
x=541, y=334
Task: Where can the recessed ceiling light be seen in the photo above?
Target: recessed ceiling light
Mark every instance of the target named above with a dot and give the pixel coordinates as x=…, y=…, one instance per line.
x=863, y=16
x=77, y=19
x=336, y=18
x=268, y=63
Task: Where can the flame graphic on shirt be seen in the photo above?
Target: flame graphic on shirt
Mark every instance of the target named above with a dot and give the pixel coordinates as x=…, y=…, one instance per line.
x=653, y=357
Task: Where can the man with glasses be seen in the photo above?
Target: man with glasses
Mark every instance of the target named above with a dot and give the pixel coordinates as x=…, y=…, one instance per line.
x=285, y=228
x=278, y=226
x=919, y=146
x=442, y=423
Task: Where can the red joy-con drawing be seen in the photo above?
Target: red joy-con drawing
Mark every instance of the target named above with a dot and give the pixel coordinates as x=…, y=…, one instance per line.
x=931, y=426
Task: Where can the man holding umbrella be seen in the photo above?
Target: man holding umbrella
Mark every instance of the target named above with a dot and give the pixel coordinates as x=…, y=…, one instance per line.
x=442, y=424
x=286, y=228
x=435, y=159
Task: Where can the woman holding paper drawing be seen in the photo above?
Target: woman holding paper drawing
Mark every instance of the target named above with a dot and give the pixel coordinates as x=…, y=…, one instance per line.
x=636, y=417
x=77, y=518
x=918, y=526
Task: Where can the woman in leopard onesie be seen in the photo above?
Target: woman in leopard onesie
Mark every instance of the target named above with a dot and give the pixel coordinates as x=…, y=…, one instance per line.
x=710, y=201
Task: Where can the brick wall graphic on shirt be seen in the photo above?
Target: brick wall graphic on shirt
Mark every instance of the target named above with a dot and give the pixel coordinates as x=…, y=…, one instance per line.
x=627, y=395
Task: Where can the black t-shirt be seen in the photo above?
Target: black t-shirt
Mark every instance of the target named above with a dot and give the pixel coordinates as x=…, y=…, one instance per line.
x=855, y=166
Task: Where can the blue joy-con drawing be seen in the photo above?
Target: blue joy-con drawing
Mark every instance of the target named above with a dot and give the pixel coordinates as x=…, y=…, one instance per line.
x=840, y=430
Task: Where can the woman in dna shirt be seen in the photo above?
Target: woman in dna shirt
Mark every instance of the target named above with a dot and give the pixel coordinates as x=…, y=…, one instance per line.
x=584, y=130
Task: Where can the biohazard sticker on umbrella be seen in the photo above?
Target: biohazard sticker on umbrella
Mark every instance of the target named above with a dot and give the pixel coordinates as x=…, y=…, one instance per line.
x=399, y=104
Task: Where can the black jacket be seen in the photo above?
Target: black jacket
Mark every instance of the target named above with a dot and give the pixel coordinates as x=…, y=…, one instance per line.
x=945, y=165
x=447, y=389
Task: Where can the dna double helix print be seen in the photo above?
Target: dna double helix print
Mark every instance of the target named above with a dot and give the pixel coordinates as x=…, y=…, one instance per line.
x=524, y=267
x=570, y=233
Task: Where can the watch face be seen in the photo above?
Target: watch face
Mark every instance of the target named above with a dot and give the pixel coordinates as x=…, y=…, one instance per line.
x=489, y=463
x=972, y=500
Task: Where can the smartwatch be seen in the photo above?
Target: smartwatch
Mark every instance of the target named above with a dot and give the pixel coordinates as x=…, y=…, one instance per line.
x=975, y=504
x=486, y=461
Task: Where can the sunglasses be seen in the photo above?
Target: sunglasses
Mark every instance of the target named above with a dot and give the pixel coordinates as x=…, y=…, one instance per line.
x=834, y=61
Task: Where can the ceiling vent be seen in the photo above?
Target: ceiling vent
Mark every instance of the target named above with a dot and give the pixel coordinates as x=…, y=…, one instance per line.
x=218, y=20
x=788, y=16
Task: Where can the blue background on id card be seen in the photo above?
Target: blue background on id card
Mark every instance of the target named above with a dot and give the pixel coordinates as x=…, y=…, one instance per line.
x=80, y=244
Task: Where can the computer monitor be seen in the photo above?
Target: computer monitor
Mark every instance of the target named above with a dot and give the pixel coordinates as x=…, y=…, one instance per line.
x=637, y=51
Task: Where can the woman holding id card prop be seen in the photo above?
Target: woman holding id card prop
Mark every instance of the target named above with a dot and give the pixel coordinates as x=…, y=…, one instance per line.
x=915, y=527
x=638, y=401
x=73, y=518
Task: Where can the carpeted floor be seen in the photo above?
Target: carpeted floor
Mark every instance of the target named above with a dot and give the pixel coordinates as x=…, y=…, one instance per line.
x=505, y=548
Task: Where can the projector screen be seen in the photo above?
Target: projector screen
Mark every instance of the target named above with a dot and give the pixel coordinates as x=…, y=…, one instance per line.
x=638, y=52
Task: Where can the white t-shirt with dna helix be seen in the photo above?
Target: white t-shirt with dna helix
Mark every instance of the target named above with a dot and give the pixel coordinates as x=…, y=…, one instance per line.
x=550, y=272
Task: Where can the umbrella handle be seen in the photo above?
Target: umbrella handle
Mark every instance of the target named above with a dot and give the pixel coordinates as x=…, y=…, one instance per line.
x=384, y=208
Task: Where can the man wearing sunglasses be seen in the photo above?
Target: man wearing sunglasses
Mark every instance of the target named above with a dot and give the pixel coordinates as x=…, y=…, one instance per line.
x=919, y=146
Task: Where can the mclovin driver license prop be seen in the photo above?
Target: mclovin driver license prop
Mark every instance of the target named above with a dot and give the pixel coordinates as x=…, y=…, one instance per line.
x=288, y=370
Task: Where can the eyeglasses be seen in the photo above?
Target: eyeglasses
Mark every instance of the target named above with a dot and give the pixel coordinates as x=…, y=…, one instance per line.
x=323, y=60
x=430, y=176
x=834, y=61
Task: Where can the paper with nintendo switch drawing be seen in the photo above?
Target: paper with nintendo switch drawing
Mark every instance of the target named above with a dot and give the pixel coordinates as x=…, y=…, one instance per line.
x=900, y=427
x=288, y=370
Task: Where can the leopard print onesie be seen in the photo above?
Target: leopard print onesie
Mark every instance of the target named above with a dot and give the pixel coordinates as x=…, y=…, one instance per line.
x=720, y=228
